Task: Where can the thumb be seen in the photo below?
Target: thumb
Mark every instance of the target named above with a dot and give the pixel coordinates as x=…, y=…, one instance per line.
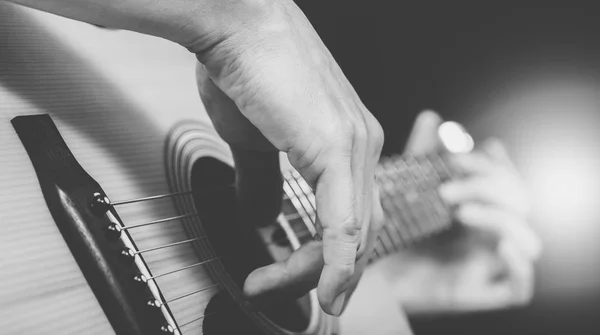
x=424, y=135
x=293, y=277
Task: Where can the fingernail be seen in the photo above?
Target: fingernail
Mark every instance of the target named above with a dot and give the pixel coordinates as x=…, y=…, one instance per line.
x=338, y=304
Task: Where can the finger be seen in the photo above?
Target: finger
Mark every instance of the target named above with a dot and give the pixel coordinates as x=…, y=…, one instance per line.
x=424, y=135
x=502, y=223
x=293, y=277
x=373, y=212
x=456, y=192
x=341, y=234
x=471, y=163
x=362, y=166
x=496, y=193
x=497, y=151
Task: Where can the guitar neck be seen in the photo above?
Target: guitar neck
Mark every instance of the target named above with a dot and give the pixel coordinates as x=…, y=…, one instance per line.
x=412, y=206
x=409, y=197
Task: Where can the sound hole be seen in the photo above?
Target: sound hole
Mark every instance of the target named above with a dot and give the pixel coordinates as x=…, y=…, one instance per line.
x=237, y=242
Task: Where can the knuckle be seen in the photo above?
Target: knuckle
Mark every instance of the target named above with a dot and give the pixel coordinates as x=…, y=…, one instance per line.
x=346, y=129
x=347, y=231
x=377, y=134
x=351, y=227
x=339, y=137
x=361, y=132
x=346, y=271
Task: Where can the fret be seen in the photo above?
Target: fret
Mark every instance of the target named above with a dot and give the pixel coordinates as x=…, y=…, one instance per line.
x=403, y=199
x=390, y=206
x=439, y=211
x=381, y=244
x=395, y=225
x=394, y=236
x=423, y=204
x=439, y=166
x=409, y=197
x=433, y=174
x=386, y=240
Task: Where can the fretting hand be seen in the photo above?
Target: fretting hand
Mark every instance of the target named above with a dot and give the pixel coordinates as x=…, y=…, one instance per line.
x=488, y=262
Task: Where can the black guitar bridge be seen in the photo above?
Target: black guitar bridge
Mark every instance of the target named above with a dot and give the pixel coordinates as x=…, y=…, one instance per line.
x=105, y=253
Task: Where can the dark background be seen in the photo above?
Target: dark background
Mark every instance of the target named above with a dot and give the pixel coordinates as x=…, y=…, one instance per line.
x=468, y=63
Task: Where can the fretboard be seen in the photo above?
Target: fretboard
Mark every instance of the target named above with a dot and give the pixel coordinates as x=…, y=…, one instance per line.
x=408, y=190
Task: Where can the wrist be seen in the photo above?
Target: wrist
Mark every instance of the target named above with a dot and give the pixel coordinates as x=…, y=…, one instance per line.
x=229, y=23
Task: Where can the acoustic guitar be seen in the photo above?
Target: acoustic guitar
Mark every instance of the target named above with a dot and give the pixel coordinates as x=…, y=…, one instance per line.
x=118, y=207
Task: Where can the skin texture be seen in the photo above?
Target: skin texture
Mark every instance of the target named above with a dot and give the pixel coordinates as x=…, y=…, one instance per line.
x=266, y=58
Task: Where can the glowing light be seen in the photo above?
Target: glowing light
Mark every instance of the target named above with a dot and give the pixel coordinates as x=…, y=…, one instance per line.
x=565, y=182
x=455, y=137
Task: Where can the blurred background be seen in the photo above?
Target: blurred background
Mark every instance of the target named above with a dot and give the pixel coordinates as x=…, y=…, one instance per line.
x=527, y=75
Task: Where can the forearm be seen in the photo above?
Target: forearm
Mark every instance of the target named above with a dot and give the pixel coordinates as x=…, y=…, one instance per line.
x=195, y=24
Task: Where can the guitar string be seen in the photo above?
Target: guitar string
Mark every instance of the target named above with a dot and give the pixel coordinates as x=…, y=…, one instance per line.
x=305, y=193
x=393, y=241
x=303, y=199
x=386, y=184
x=413, y=178
x=405, y=208
x=165, y=220
x=394, y=235
x=397, y=237
x=185, y=268
x=430, y=201
x=303, y=223
x=300, y=203
x=170, y=245
x=170, y=272
x=440, y=213
x=196, y=320
x=166, y=195
x=407, y=184
x=191, y=293
x=152, y=197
